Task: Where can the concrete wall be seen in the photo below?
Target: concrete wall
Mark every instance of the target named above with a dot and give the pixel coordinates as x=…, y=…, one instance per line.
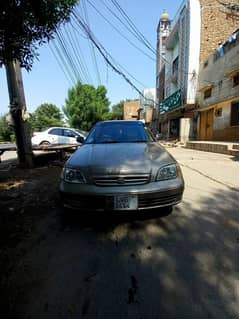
x=214, y=72
x=185, y=129
x=194, y=49
x=223, y=121
x=222, y=129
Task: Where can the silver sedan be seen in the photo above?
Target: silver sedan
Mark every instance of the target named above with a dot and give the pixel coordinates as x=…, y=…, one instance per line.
x=120, y=166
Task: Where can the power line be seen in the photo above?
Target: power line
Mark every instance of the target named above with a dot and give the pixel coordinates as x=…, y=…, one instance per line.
x=72, y=41
x=117, y=30
x=91, y=46
x=139, y=35
x=79, y=52
x=60, y=63
x=63, y=60
x=67, y=55
x=101, y=49
x=129, y=28
x=106, y=53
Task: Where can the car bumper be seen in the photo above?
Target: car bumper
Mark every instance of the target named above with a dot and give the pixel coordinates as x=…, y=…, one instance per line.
x=98, y=198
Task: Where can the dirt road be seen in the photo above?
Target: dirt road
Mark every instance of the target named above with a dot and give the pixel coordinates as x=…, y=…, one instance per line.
x=123, y=265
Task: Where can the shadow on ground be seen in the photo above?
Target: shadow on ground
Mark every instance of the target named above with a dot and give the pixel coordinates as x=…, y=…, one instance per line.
x=133, y=265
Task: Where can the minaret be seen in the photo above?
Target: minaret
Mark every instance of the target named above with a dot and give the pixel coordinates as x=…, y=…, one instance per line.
x=163, y=31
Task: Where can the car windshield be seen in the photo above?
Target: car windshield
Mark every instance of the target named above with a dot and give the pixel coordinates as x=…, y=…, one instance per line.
x=119, y=132
x=81, y=132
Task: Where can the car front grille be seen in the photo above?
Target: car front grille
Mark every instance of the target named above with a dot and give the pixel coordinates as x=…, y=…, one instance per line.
x=158, y=199
x=121, y=180
x=85, y=202
x=101, y=202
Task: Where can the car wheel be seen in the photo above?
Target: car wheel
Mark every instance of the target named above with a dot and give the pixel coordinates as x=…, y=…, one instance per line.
x=45, y=143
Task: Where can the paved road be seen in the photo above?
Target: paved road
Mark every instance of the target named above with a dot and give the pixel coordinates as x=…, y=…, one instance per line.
x=142, y=266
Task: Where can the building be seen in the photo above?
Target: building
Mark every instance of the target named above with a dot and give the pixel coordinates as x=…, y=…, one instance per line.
x=147, y=107
x=130, y=110
x=198, y=28
x=163, y=31
x=148, y=99
x=218, y=93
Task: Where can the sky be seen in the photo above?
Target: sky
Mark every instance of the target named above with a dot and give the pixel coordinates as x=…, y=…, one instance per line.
x=49, y=81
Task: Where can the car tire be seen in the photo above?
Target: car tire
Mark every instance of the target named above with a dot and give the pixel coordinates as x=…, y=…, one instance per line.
x=45, y=143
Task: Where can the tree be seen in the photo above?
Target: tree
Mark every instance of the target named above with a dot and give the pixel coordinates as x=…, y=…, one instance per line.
x=45, y=116
x=6, y=131
x=117, y=111
x=86, y=105
x=24, y=25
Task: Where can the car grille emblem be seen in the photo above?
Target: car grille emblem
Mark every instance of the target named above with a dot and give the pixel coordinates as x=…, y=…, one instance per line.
x=121, y=180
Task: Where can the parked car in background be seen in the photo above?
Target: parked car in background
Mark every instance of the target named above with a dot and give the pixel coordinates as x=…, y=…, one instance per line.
x=120, y=166
x=83, y=133
x=56, y=135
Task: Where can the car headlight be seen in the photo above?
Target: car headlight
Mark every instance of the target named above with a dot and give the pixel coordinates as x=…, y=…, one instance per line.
x=71, y=175
x=167, y=172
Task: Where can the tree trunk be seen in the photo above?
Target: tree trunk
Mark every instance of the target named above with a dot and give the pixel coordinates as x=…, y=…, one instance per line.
x=17, y=111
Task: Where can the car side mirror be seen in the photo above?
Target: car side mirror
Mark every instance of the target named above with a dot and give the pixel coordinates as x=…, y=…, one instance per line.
x=80, y=139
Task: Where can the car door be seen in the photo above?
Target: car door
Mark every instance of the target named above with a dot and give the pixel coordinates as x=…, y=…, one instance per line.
x=56, y=136
x=69, y=136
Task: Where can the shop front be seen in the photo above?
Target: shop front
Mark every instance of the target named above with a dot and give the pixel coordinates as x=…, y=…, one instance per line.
x=170, y=114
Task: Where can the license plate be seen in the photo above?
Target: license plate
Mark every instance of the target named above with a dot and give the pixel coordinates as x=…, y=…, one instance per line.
x=125, y=202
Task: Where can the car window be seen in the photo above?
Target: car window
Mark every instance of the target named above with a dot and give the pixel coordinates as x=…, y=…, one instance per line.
x=69, y=133
x=122, y=132
x=55, y=131
x=82, y=133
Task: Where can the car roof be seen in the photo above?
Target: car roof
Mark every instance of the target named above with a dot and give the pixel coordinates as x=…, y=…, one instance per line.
x=123, y=121
x=61, y=127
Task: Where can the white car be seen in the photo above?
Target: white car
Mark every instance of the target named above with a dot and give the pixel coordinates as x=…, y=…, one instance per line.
x=56, y=135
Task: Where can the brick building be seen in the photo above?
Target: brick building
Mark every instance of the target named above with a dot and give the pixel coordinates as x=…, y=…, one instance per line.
x=199, y=27
x=130, y=110
x=218, y=22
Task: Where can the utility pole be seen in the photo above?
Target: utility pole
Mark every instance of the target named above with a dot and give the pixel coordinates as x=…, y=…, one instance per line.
x=18, y=114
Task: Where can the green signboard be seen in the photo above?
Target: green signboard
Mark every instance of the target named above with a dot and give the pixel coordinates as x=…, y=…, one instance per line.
x=170, y=103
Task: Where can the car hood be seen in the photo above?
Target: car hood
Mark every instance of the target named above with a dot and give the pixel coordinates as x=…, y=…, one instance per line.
x=120, y=158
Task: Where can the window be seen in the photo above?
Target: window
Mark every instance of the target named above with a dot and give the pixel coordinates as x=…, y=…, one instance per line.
x=164, y=40
x=218, y=112
x=55, y=131
x=207, y=93
x=175, y=66
x=235, y=79
x=235, y=114
x=69, y=133
x=234, y=75
x=122, y=132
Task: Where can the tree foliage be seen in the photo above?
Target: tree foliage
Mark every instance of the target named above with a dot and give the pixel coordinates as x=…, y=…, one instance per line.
x=45, y=116
x=86, y=105
x=6, y=131
x=117, y=111
x=25, y=24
